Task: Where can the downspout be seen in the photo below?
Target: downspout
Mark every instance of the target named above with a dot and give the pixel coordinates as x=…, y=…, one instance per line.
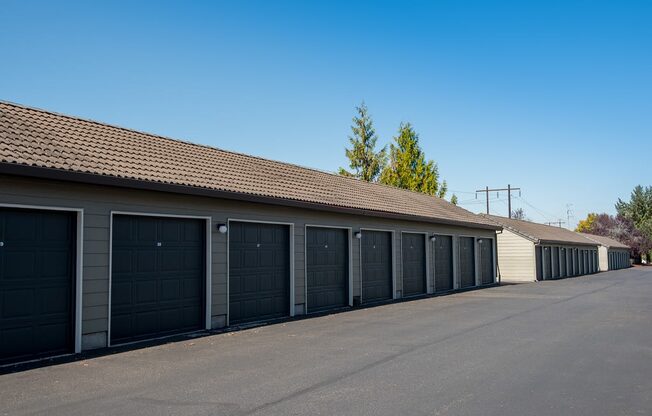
x=497, y=264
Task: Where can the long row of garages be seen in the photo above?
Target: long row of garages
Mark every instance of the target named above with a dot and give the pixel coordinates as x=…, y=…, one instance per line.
x=555, y=262
x=618, y=259
x=160, y=268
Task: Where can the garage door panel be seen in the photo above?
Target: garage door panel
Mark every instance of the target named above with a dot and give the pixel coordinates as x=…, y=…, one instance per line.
x=327, y=267
x=486, y=249
x=18, y=303
x=467, y=261
x=55, y=300
x=172, y=260
x=59, y=263
x=19, y=264
x=171, y=290
x=443, y=263
x=152, y=284
x=259, y=271
x=145, y=261
x=171, y=231
x=22, y=226
x=414, y=264
x=376, y=259
x=37, y=279
x=146, y=230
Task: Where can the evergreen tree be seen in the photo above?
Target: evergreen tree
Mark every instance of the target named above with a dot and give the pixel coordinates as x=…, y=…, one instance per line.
x=364, y=160
x=454, y=199
x=638, y=209
x=408, y=167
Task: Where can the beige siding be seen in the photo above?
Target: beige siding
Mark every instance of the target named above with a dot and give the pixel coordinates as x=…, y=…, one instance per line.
x=603, y=258
x=515, y=258
x=98, y=202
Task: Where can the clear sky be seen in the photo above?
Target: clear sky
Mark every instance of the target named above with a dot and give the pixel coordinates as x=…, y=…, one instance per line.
x=554, y=97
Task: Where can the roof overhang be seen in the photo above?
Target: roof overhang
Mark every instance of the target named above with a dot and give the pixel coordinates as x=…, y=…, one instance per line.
x=567, y=243
x=106, y=180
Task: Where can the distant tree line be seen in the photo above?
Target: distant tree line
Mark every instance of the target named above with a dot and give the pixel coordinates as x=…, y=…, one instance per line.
x=632, y=225
x=404, y=165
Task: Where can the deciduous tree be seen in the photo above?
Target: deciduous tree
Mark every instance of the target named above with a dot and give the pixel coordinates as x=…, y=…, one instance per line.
x=585, y=225
x=519, y=214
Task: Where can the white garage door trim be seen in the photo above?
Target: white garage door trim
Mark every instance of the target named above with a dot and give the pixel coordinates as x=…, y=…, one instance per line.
x=79, y=265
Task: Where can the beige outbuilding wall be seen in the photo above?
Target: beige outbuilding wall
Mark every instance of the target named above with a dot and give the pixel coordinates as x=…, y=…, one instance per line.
x=515, y=258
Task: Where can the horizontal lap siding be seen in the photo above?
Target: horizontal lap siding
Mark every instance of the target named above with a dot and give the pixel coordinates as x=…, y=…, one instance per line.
x=515, y=257
x=98, y=202
x=603, y=258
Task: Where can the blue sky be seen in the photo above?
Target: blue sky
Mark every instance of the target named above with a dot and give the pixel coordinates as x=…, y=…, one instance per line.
x=554, y=97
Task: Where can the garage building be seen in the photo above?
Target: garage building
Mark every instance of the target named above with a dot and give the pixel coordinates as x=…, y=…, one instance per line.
x=612, y=254
x=110, y=236
x=528, y=251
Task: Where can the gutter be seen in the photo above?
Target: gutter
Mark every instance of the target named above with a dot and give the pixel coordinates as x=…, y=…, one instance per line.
x=95, y=179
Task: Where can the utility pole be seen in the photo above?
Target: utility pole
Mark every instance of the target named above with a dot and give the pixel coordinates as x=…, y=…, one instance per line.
x=569, y=213
x=509, y=190
x=559, y=223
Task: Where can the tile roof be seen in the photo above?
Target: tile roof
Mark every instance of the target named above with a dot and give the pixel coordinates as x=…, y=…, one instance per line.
x=42, y=139
x=605, y=241
x=540, y=233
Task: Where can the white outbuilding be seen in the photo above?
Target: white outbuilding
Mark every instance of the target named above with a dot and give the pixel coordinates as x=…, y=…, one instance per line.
x=612, y=254
x=528, y=251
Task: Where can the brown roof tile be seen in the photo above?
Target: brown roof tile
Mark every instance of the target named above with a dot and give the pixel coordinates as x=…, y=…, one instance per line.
x=605, y=241
x=540, y=232
x=33, y=137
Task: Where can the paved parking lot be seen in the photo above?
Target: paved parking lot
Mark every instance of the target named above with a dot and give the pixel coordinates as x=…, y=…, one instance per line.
x=578, y=346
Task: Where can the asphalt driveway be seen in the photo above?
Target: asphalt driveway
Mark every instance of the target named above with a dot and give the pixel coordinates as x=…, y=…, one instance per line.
x=579, y=346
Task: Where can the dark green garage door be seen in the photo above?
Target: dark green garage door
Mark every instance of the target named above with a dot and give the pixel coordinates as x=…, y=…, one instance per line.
x=486, y=248
x=538, y=254
x=443, y=259
x=327, y=267
x=259, y=272
x=376, y=260
x=467, y=261
x=37, y=272
x=414, y=264
x=158, y=277
x=547, y=263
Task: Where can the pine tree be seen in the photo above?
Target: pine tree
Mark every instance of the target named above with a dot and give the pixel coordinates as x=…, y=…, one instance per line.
x=408, y=167
x=364, y=160
x=454, y=199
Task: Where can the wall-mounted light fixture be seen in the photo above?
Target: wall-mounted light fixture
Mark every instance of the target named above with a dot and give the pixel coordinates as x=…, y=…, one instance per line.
x=222, y=228
x=358, y=235
x=479, y=241
x=433, y=238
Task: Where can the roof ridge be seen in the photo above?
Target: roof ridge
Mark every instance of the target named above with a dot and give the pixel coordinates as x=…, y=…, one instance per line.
x=509, y=227
x=529, y=222
x=205, y=146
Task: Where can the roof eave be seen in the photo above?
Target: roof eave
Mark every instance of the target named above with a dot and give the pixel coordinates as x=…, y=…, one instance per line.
x=106, y=180
x=569, y=243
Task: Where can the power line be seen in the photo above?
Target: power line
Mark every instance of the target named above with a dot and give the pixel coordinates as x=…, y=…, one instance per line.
x=509, y=190
x=560, y=222
x=542, y=213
